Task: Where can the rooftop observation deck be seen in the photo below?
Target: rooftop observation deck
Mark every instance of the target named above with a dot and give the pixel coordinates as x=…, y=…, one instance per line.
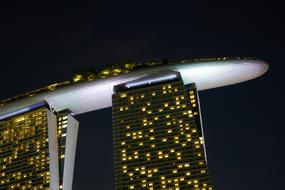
x=115, y=70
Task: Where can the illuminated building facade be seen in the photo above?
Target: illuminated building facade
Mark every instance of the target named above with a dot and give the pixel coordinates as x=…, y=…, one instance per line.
x=37, y=150
x=158, y=132
x=158, y=137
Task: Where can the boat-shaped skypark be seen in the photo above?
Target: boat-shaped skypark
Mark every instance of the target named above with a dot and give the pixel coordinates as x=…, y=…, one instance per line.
x=89, y=91
x=157, y=125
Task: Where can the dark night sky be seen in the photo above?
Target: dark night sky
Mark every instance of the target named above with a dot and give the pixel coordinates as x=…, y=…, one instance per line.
x=46, y=42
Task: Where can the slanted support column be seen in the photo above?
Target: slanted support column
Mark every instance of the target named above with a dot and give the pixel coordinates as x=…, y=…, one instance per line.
x=70, y=150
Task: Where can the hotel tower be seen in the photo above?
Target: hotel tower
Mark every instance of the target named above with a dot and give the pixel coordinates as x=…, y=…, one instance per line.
x=158, y=136
x=37, y=150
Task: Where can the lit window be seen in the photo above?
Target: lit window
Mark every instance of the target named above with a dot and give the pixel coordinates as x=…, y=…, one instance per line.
x=123, y=95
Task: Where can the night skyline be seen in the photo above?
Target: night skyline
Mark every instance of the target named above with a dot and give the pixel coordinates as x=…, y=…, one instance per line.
x=43, y=44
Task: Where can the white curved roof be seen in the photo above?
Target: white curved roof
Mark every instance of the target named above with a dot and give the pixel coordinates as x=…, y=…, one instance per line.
x=89, y=96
